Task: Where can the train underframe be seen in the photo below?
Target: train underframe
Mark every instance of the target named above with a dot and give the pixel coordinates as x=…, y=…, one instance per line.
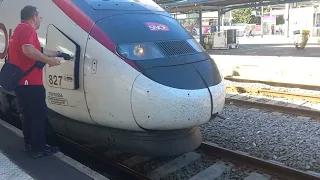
x=146, y=143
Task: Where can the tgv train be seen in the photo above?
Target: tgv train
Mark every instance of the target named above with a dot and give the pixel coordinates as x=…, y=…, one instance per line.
x=138, y=82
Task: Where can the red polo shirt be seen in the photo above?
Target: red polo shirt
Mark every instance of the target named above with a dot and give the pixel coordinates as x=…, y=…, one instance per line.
x=25, y=34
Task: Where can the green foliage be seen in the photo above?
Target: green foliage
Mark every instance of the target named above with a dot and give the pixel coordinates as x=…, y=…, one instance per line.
x=280, y=20
x=242, y=15
x=255, y=20
x=266, y=9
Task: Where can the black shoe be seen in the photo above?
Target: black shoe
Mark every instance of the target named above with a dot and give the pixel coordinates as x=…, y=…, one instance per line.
x=46, y=152
x=37, y=155
x=51, y=149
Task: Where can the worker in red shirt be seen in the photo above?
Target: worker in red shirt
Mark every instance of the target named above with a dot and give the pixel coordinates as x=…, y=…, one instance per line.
x=24, y=51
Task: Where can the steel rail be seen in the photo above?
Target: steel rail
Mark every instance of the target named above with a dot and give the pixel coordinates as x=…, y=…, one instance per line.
x=98, y=156
x=272, y=167
x=276, y=108
x=275, y=83
x=103, y=159
x=271, y=93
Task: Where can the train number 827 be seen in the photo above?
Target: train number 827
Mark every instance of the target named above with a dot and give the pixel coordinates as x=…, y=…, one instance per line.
x=55, y=80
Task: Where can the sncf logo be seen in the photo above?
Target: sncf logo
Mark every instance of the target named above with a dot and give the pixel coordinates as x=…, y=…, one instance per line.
x=6, y=37
x=157, y=27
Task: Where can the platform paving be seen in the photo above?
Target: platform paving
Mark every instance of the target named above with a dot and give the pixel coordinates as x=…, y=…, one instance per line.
x=16, y=164
x=9, y=170
x=270, y=62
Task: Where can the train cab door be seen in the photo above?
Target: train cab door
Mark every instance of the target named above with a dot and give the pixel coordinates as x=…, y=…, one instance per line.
x=63, y=98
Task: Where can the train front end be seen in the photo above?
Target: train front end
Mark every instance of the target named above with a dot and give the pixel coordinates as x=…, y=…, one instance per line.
x=158, y=82
x=179, y=85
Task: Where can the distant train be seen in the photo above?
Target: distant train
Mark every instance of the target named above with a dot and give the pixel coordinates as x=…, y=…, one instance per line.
x=138, y=83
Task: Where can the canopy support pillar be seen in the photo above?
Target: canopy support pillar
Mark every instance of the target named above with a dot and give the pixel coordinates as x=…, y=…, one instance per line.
x=200, y=28
x=219, y=19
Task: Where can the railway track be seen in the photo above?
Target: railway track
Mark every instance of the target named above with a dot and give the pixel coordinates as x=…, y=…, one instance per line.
x=278, y=94
x=292, y=103
x=279, y=106
x=209, y=161
x=215, y=162
x=276, y=84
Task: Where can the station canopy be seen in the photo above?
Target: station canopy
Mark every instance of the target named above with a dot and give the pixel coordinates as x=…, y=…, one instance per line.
x=185, y=6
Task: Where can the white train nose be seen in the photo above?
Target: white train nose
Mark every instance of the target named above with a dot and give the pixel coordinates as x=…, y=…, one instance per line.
x=159, y=107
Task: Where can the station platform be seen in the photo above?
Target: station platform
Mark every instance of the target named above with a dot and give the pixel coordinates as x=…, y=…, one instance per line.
x=270, y=60
x=15, y=164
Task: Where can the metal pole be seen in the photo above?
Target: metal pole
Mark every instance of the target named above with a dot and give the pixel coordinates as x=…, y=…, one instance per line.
x=200, y=28
x=222, y=21
x=219, y=19
x=288, y=34
x=262, y=21
x=287, y=19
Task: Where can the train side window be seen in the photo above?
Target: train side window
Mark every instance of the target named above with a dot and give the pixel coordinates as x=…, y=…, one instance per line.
x=66, y=75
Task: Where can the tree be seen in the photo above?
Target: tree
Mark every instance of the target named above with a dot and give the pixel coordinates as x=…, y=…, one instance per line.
x=242, y=15
x=280, y=20
x=255, y=19
x=245, y=15
x=266, y=9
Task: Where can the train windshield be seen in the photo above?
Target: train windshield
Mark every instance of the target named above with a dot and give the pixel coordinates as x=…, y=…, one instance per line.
x=137, y=28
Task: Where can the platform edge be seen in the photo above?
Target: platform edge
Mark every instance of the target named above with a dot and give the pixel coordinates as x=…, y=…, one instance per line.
x=82, y=168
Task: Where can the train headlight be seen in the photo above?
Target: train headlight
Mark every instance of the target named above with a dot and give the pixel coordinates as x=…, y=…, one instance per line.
x=139, y=51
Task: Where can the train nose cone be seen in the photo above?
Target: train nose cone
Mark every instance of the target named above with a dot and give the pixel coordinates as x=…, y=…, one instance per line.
x=172, y=97
x=214, y=80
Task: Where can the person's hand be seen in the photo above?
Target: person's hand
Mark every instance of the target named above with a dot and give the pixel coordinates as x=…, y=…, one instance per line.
x=54, y=62
x=64, y=55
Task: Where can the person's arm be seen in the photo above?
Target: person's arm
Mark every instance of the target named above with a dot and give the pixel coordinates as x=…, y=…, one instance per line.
x=33, y=53
x=27, y=41
x=51, y=53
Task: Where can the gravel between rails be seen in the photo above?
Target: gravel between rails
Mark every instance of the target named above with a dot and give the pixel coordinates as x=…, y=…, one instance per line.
x=289, y=139
x=192, y=169
x=236, y=173
x=273, y=88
